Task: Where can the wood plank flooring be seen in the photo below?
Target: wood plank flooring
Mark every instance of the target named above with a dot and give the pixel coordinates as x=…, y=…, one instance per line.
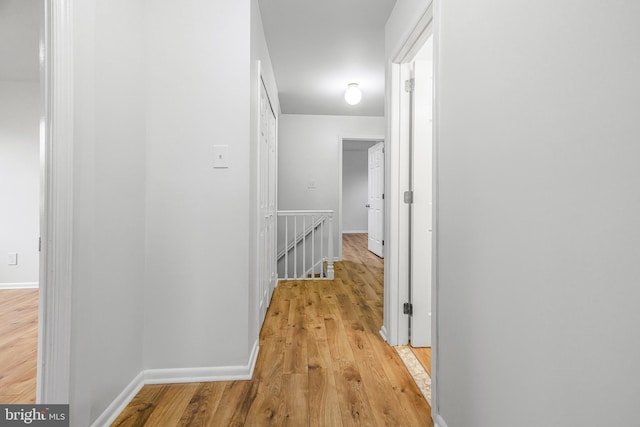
x=18, y=345
x=322, y=362
x=424, y=356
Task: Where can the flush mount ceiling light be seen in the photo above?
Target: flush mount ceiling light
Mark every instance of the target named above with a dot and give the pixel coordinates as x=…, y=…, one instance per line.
x=353, y=95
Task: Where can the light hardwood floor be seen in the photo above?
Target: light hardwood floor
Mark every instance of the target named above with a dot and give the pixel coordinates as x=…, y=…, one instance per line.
x=322, y=362
x=18, y=345
x=424, y=356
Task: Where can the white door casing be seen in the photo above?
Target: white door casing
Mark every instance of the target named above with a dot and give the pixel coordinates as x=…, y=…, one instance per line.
x=375, y=199
x=395, y=328
x=421, y=207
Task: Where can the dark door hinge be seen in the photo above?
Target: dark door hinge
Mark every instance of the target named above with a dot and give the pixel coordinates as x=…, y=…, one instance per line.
x=408, y=308
x=383, y=243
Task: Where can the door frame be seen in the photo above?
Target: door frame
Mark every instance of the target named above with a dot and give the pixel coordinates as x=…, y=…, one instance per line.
x=341, y=139
x=56, y=216
x=395, y=329
x=421, y=240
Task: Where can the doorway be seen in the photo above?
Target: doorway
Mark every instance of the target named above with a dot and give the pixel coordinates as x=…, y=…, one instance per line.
x=21, y=132
x=356, y=211
x=421, y=185
x=411, y=276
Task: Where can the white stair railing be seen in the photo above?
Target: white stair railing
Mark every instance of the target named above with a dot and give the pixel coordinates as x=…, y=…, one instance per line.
x=305, y=245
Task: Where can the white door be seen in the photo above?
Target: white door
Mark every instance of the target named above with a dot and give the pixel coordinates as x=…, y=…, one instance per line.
x=267, y=195
x=421, y=208
x=271, y=206
x=375, y=200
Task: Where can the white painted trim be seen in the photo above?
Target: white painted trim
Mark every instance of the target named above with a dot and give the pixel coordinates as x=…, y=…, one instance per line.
x=253, y=357
x=383, y=333
x=116, y=407
x=255, y=268
x=396, y=324
x=417, y=37
x=396, y=283
x=439, y=421
x=435, y=277
x=24, y=285
x=390, y=306
x=355, y=231
x=174, y=376
x=205, y=374
x=341, y=139
x=197, y=375
x=54, y=329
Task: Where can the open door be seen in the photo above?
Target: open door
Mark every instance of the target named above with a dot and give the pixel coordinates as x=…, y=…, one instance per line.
x=421, y=208
x=375, y=199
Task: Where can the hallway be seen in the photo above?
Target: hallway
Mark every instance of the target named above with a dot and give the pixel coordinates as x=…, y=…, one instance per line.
x=322, y=362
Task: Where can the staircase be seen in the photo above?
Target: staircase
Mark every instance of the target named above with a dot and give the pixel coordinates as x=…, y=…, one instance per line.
x=305, y=245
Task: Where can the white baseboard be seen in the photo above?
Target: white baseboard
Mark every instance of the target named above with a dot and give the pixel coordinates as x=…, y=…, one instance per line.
x=253, y=358
x=23, y=285
x=439, y=421
x=383, y=333
x=117, y=406
x=200, y=375
x=174, y=376
x=355, y=232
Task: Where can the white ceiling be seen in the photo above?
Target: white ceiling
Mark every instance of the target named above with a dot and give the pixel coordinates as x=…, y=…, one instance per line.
x=20, y=40
x=317, y=47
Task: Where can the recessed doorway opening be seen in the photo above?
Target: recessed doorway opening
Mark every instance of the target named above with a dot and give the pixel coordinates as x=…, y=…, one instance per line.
x=21, y=189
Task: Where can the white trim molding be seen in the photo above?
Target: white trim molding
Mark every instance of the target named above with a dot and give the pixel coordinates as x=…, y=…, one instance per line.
x=196, y=375
x=175, y=376
x=205, y=374
x=119, y=403
x=383, y=333
x=439, y=421
x=25, y=285
x=395, y=329
x=54, y=341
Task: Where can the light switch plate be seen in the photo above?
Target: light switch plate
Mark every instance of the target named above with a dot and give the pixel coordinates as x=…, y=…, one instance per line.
x=220, y=156
x=13, y=258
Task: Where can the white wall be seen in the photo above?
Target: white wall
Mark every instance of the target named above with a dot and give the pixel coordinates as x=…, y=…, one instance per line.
x=162, y=241
x=198, y=238
x=19, y=180
x=537, y=212
x=309, y=150
x=109, y=203
x=355, y=178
